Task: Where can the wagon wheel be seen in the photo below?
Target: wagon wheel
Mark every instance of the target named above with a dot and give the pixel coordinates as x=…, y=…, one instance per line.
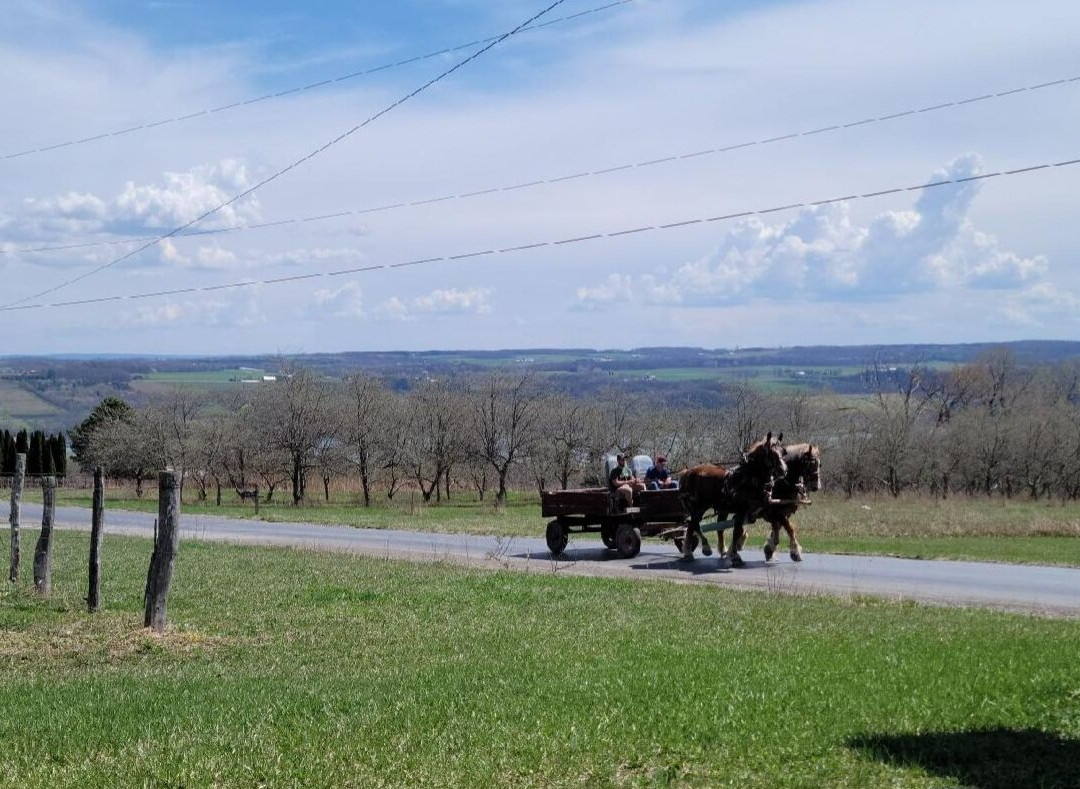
x=628, y=542
x=557, y=537
x=607, y=535
x=679, y=543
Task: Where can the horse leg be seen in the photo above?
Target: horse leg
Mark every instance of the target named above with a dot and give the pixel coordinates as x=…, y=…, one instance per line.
x=794, y=548
x=692, y=528
x=706, y=549
x=720, y=536
x=772, y=542
x=737, y=536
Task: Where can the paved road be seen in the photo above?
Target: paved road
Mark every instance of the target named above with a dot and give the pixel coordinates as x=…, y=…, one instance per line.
x=1051, y=590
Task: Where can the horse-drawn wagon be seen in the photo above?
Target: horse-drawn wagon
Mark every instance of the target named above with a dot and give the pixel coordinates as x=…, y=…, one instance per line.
x=744, y=491
x=597, y=510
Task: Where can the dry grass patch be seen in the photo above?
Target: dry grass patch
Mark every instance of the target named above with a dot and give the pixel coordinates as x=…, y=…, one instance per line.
x=100, y=640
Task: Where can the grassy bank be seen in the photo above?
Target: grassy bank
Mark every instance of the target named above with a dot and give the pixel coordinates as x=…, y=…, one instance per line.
x=976, y=529
x=291, y=668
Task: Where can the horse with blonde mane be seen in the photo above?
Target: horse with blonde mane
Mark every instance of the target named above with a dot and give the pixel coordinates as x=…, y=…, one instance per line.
x=745, y=490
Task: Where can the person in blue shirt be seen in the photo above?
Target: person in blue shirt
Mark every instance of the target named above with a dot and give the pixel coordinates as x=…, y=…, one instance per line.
x=658, y=476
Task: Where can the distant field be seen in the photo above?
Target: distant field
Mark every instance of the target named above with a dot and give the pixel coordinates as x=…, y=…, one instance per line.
x=205, y=376
x=157, y=383
x=19, y=404
x=793, y=376
x=290, y=668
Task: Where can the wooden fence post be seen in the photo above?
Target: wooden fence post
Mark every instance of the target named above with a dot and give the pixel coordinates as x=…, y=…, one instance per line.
x=43, y=549
x=13, y=517
x=150, y=578
x=97, y=525
x=161, y=564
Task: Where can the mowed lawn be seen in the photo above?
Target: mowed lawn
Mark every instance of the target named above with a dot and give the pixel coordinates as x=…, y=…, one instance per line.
x=296, y=668
x=977, y=529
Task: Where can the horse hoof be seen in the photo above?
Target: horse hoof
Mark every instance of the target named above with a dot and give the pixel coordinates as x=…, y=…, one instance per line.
x=768, y=552
x=737, y=561
x=705, y=549
x=686, y=557
x=796, y=557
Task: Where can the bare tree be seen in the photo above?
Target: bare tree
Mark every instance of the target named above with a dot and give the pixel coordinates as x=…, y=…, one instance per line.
x=367, y=413
x=560, y=447
x=503, y=415
x=295, y=415
x=126, y=449
x=435, y=438
x=744, y=419
x=902, y=397
x=170, y=421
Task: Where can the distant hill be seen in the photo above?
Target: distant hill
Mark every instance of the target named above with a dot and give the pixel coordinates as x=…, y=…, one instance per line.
x=56, y=391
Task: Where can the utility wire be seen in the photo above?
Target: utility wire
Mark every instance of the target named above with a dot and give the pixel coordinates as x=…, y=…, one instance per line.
x=293, y=91
x=542, y=181
x=298, y=162
x=540, y=244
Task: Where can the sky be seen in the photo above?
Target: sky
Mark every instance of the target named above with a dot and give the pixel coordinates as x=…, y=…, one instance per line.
x=644, y=82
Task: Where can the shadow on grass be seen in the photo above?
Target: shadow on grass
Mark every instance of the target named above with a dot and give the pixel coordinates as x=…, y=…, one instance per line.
x=984, y=758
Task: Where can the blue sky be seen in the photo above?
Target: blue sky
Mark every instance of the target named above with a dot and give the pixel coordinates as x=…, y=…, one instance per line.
x=650, y=79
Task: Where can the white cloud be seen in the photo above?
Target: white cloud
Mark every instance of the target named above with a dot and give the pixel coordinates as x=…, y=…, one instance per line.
x=142, y=208
x=241, y=310
x=1042, y=305
x=616, y=289
x=450, y=301
x=346, y=302
x=317, y=255
x=821, y=254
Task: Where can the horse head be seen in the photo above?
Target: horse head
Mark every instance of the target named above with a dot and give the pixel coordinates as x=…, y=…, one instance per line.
x=804, y=462
x=766, y=458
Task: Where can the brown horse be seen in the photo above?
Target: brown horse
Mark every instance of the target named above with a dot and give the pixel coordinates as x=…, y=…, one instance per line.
x=744, y=490
x=803, y=474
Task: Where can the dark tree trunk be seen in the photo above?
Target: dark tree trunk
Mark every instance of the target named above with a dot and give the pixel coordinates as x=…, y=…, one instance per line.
x=97, y=525
x=501, y=495
x=365, y=481
x=295, y=482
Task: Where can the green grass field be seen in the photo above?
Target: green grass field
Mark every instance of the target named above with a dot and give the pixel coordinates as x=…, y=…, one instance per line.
x=298, y=668
x=295, y=668
x=974, y=529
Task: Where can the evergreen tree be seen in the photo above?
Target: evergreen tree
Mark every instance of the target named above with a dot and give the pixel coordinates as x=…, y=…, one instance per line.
x=22, y=442
x=7, y=459
x=48, y=468
x=59, y=454
x=34, y=455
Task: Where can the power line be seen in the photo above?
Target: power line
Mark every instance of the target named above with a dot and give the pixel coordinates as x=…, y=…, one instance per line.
x=540, y=244
x=297, y=163
x=558, y=179
x=301, y=89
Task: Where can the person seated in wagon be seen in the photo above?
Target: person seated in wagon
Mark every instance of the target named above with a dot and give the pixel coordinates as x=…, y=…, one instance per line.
x=622, y=482
x=658, y=476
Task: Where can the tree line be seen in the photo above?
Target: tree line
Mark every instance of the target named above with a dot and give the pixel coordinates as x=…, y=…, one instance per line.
x=991, y=427
x=45, y=454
